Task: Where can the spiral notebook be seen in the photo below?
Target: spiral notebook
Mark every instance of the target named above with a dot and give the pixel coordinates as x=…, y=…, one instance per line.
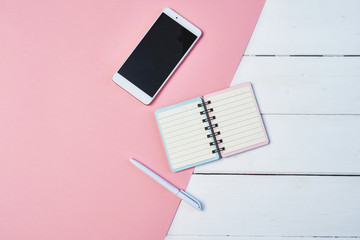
x=207, y=128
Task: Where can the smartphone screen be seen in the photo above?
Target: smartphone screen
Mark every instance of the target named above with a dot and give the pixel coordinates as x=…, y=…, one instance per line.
x=158, y=53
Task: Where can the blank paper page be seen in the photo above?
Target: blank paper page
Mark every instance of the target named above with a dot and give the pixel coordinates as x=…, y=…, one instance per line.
x=184, y=135
x=238, y=120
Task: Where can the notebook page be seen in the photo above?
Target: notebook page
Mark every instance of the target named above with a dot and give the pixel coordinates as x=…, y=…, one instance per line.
x=238, y=120
x=184, y=135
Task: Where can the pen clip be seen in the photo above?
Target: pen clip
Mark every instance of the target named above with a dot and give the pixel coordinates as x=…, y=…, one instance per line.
x=198, y=207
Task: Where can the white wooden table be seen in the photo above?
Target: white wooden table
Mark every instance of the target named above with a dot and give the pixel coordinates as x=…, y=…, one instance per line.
x=304, y=62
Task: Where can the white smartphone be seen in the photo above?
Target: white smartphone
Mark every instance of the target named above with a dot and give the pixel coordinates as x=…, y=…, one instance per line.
x=157, y=55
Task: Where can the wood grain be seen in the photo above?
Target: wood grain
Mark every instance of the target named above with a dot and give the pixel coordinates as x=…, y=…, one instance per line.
x=307, y=27
x=303, y=85
x=271, y=206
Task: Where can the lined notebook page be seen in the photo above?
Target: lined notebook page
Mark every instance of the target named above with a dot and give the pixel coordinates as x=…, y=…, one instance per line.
x=238, y=119
x=184, y=135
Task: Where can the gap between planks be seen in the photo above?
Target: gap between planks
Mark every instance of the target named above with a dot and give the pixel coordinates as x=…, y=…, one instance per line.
x=218, y=237
x=311, y=114
x=277, y=174
x=298, y=55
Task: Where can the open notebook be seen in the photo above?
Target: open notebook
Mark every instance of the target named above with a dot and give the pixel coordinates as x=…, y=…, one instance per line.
x=205, y=129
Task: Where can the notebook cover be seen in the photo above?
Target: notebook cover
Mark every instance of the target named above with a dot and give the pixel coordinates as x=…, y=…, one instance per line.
x=157, y=112
x=207, y=96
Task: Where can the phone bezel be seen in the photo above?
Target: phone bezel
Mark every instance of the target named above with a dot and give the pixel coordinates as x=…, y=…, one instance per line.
x=133, y=89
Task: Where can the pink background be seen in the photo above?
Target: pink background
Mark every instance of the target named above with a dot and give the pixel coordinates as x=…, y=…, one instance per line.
x=67, y=131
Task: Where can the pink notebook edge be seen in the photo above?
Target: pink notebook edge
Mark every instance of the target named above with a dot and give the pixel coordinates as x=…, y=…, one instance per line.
x=241, y=85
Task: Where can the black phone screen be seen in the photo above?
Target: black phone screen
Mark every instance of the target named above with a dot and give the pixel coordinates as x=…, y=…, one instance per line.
x=161, y=49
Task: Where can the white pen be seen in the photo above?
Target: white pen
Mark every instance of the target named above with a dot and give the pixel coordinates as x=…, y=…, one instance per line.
x=180, y=193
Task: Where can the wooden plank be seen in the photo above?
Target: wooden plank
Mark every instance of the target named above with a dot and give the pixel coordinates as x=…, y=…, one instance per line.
x=307, y=27
x=299, y=144
x=297, y=85
x=268, y=206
